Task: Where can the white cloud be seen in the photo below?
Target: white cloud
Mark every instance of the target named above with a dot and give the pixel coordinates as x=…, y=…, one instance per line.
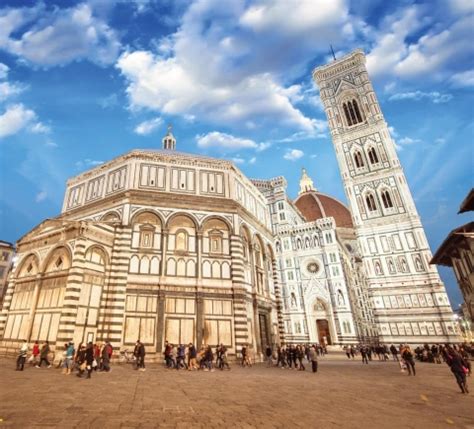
x=88, y=163
x=293, y=154
x=436, y=50
x=408, y=141
x=15, y=118
x=41, y=196
x=238, y=160
x=147, y=127
x=225, y=62
x=433, y=96
x=53, y=36
x=40, y=128
x=3, y=71
x=399, y=51
x=463, y=79
x=253, y=160
x=50, y=143
x=390, y=45
x=225, y=142
x=8, y=90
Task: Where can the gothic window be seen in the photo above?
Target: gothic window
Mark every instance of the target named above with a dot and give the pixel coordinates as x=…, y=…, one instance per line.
x=359, y=162
x=391, y=266
x=307, y=243
x=387, y=200
x=370, y=201
x=357, y=111
x=374, y=159
x=346, y=113
x=182, y=241
x=352, y=113
x=146, y=236
x=298, y=244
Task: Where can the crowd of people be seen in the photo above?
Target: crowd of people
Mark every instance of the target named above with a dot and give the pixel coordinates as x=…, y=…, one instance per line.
x=87, y=358
x=457, y=357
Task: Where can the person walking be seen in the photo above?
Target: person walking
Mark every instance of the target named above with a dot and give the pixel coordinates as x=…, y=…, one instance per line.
x=105, y=355
x=139, y=353
x=69, y=357
x=34, y=358
x=223, y=354
x=407, y=357
x=192, y=355
x=313, y=358
x=243, y=352
x=394, y=352
x=23, y=352
x=180, y=361
x=364, y=352
x=44, y=355
x=89, y=358
x=268, y=355
x=80, y=359
x=208, y=358
x=300, y=356
x=459, y=368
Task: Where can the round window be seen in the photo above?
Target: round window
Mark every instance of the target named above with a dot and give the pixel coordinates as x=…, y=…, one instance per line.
x=312, y=267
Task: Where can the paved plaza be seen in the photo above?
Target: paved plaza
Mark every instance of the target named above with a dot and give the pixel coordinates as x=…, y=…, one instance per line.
x=343, y=394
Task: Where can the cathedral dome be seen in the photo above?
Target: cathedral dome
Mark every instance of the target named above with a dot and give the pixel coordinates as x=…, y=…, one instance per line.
x=314, y=205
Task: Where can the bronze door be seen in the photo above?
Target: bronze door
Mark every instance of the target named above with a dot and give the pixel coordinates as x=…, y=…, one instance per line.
x=324, y=335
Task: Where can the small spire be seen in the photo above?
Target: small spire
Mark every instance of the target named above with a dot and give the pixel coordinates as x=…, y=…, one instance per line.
x=306, y=184
x=169, y=142
x=333, y=54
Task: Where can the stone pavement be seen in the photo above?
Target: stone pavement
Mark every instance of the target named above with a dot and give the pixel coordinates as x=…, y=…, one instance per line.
x=343, y=394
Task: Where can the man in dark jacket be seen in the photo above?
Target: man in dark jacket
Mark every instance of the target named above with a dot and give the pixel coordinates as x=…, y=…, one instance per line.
x=459, y=368
x=139, y=353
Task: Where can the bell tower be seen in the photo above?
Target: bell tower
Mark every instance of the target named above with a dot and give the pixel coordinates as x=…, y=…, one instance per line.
x=408, y=297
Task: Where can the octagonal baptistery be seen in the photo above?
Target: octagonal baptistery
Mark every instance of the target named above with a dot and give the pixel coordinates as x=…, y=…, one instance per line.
x=153, y=245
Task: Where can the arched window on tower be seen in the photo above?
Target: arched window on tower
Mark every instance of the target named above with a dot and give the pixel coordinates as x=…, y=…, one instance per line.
x=359, y=161
x=357, y=111
x=370, y=201
x=352, y=113
x=374, y=159
x=387, y=200
x=346, y=113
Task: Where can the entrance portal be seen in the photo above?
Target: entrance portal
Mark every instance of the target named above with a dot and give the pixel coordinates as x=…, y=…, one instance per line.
x=264, y=337
x=324, y=335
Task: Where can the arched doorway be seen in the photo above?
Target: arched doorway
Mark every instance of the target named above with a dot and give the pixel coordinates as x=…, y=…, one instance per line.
x=320, y=312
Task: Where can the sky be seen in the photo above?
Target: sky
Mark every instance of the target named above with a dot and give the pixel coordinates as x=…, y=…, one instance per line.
x=84, y=81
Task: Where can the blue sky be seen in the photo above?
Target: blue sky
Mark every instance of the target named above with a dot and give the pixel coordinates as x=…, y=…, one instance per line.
x=82, y=82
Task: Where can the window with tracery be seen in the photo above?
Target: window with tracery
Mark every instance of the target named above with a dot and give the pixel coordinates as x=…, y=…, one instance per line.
x=359, y=161
x=387, y=200
x=352, y=112
x=374, y=159
x=370, y=201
